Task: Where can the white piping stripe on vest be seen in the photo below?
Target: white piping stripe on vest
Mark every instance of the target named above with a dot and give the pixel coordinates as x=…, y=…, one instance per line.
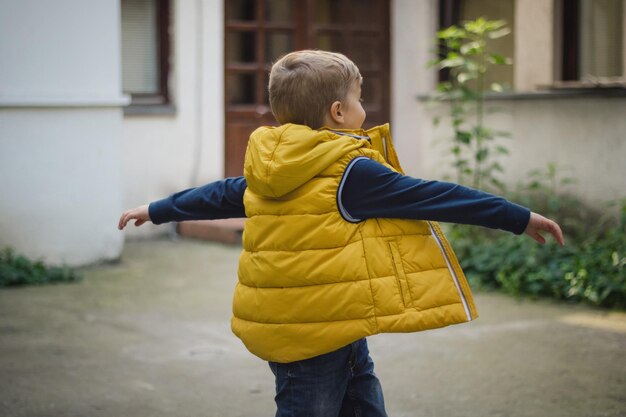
x=342, y=210
x=385, y=148
x=454, y=277
x=351, y=135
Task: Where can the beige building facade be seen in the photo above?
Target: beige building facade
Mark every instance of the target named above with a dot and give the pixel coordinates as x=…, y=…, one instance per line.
x=580, y=129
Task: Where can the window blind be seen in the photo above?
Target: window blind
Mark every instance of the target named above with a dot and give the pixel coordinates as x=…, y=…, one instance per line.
x=601, y=38
x=140, y=60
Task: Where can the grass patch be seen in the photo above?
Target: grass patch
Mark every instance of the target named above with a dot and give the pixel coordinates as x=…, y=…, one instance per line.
x=18, y=270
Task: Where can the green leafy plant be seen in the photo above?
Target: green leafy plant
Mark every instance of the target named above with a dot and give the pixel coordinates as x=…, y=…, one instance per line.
x=590, y=268
x=546, y=191
x=464, y=51
x=18, y=270
x=548, y=186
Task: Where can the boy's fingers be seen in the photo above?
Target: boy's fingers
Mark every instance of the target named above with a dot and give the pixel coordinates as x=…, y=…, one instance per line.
x=538, y=223
x=538, y=238
x=558, y=235
x=139, y=214
x=124, y=220
x=555, y=231
x=122, y=223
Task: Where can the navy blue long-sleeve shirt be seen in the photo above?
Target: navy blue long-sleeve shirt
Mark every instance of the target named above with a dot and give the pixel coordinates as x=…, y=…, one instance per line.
x=368, y=190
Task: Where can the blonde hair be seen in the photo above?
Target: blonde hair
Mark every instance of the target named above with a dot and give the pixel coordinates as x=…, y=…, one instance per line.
x=304, y=84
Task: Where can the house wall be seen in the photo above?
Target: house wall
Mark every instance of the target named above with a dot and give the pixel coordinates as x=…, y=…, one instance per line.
x=582, y=135
x=535, y=45
x=164, y=154
x=413, y=25
x=168, y=153
x=60, y=130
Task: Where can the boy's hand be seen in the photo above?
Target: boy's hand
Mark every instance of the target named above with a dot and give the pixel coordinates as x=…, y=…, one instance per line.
x=140, y=214
x=538, y=223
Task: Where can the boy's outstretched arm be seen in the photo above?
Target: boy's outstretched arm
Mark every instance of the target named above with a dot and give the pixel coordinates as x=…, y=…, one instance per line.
x=371, y=190
x=538, y=224
x=218, y=200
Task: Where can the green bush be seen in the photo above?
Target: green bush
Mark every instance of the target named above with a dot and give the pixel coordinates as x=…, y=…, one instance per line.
x=591, y=267
x=18, y=270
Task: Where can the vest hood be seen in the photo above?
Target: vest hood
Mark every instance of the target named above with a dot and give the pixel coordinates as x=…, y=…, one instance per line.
x=281, y=159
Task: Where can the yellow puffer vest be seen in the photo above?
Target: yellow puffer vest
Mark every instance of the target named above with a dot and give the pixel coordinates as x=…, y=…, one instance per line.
x=311, y=282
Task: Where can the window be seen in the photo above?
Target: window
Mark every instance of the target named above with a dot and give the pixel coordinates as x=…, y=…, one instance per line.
x=145, y=51
x=593, y=41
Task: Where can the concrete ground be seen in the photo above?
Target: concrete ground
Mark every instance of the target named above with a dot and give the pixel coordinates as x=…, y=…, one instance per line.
x=150, y=337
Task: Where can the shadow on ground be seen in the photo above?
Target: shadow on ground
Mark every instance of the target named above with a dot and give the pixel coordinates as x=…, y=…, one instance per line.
x=150, y=337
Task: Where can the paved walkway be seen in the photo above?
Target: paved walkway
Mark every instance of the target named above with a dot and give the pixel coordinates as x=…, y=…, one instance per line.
x=150, y=337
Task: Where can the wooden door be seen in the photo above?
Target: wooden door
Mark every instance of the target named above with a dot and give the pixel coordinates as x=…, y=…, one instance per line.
x=258, y=32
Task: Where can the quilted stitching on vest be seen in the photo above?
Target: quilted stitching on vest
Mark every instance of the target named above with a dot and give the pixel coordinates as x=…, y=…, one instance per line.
x=311, y=282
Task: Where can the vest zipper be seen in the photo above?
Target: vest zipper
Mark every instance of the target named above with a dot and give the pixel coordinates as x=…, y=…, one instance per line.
x=403, y=285
x=454, y=277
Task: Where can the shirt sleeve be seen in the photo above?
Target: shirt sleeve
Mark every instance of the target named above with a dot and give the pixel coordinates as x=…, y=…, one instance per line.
x=217, y=200
x=369, y=190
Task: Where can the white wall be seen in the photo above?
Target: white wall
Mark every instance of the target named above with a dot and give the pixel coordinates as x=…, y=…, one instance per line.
x=167, y=153
x=60, y=183
x=583, y=136
x=60, y=51
x=60, y=129
x=413, y=25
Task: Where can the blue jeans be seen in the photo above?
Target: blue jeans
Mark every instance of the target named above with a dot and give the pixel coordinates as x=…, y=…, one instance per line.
x=337, y=384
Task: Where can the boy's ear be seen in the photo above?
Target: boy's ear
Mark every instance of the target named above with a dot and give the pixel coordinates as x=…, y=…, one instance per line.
x=336, y=113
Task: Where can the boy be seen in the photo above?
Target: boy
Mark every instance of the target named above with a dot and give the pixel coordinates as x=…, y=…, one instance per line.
x=336, y=246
